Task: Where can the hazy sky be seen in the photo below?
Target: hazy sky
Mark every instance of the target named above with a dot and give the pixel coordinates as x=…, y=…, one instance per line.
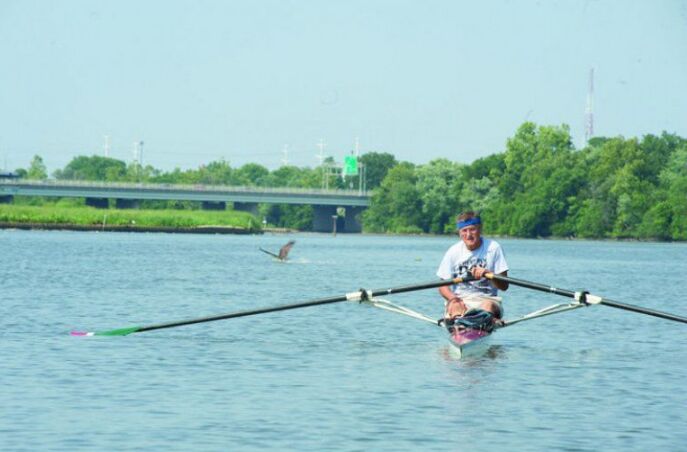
x=198, y=81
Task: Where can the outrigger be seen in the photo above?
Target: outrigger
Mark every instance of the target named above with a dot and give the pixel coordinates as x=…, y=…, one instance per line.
x=469, y=334
x=466, y=334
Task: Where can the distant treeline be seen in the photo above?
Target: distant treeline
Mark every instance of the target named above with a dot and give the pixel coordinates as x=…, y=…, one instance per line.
x=540, y=186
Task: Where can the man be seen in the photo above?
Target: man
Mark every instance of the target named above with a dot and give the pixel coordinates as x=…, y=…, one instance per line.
x=476, y=256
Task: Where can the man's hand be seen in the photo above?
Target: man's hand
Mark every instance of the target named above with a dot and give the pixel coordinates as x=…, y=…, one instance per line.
x=455, y=307
x=479, y=272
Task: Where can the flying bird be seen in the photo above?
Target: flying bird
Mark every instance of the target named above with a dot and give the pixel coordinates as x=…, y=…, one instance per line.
x=283, y=251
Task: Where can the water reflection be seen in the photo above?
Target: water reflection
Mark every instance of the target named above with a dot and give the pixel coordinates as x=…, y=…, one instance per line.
x=474, y=359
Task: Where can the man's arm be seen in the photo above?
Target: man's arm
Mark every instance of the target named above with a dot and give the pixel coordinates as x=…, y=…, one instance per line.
x=446, y=292
x=454, y=305
x=501, y=285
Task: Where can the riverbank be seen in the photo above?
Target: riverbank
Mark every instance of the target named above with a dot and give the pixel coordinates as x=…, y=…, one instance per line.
x=127, y=220
x=126, y=228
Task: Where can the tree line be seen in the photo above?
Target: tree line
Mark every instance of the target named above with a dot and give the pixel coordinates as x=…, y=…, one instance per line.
x=540, y=186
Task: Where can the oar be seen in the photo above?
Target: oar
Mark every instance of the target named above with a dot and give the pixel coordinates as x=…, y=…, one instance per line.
x=353, y=296
x=585, y=297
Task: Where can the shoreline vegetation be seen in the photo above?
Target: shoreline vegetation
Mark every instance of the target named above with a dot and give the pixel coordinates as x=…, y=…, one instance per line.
x=539, y=186
x=127, y=220
x=83, y=218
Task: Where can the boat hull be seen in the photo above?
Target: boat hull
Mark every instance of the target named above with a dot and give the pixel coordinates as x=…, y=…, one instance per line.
x=467, y=342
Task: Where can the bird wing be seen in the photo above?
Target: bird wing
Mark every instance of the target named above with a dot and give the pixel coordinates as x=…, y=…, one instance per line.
x=284, y=251
x=269, y=252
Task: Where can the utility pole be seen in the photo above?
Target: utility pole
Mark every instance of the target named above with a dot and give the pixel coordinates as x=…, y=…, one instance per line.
x=106, y=147
x=140, y=153
x=361, y=167
x=320, y=157
x=135, y=152
x=285, y=151
x=138, y=157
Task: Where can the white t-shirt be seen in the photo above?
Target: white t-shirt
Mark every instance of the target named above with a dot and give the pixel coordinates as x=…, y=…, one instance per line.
x=459, y=260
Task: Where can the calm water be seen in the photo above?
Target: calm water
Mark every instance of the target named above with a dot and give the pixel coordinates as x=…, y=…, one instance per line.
x=335, y=377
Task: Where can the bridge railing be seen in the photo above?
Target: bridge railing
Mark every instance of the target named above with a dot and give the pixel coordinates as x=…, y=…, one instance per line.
x=175, y=187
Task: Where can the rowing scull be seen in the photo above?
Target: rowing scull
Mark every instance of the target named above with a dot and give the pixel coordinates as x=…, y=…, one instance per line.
x=462, y=339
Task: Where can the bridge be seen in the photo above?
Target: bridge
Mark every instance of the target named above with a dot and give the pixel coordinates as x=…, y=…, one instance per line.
x=326, y=203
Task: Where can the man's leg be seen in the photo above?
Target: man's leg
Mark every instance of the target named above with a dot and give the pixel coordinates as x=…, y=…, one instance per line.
x=493, y=307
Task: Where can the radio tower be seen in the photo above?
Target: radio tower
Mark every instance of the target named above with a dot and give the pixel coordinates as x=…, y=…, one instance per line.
x=589, y=112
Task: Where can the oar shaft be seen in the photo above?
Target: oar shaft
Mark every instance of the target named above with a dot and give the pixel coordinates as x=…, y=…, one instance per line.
x=353, y=296
x=641, y=310
x=414, y=287
x=317, y=302
x=531, y=285
x=245, y=313
x=597, y=299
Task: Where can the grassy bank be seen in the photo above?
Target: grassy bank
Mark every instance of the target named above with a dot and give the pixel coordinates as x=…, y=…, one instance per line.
x=129, y=218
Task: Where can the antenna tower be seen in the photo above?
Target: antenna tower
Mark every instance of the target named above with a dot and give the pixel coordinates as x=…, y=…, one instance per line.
x=589, y=112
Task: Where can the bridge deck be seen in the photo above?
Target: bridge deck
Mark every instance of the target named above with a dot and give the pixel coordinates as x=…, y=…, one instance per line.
x=207, y=193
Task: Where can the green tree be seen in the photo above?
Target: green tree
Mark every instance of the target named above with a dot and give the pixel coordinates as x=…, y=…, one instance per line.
x=136, y=172
x=284, y=176
x=674, y=183
x=376, y=166
x=37, y=169
x=491, y=166
x=252, y=174
x=592, y=220
x=538, y=183
x=93, y=168
x=396, y=204
x=434, y=185
x=478, y=195
x=620, y=179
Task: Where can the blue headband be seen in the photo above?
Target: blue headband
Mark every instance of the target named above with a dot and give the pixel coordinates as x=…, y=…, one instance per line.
x=469, y=222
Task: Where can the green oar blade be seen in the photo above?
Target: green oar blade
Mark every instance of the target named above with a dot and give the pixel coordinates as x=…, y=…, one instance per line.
x=117, y=332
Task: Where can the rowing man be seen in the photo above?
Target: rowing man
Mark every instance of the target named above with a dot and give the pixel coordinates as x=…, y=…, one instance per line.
x=475, y=256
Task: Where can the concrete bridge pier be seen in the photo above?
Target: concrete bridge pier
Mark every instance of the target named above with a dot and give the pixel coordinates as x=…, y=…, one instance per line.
x=126, y=203
x=250, y=207
x=98, y=203
x=323, y=221
x=211, y=205
x=352, y=218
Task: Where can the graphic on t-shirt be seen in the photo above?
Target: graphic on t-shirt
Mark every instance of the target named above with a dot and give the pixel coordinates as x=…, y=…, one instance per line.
x=466, y=267
x=463, y=270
